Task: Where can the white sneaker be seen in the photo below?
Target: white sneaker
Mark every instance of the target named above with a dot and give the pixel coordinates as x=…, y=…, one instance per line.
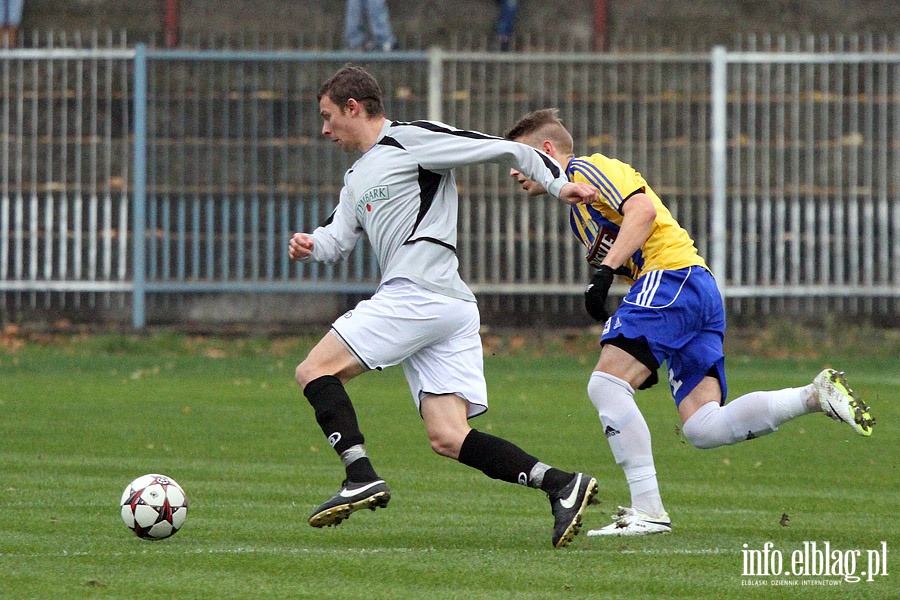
x=841, y=403
x=632, y=522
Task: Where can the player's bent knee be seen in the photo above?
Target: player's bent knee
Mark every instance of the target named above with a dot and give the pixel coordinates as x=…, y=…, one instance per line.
x=445, y=446
x=442, y=449
x=702, y=443
x=707, y=429
x=304, y=374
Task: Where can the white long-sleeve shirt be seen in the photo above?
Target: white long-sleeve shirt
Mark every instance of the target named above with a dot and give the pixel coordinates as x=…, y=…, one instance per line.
x=402, y=194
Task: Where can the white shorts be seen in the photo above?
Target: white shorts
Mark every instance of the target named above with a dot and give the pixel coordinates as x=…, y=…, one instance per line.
x=434, y=336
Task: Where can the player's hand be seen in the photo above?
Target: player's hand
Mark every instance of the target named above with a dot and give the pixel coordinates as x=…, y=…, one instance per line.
x=300, y=246
x=596, y=292
x=578, y=193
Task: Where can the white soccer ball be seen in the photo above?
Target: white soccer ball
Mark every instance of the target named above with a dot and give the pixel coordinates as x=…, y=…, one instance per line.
x=154, y=507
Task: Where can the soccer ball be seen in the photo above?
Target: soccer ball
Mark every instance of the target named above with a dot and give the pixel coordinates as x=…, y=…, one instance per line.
x=154, y=507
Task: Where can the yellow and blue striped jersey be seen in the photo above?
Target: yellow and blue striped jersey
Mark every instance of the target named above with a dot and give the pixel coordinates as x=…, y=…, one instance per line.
x=668, y=247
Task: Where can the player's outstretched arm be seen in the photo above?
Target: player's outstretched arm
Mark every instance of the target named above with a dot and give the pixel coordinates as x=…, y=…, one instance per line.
x=300, y=246
x=578, y=193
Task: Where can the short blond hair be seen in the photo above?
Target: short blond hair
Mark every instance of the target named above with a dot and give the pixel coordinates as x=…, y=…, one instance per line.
x=540, y=125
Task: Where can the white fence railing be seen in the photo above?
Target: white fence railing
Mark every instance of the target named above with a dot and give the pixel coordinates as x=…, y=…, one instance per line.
x=128, y=174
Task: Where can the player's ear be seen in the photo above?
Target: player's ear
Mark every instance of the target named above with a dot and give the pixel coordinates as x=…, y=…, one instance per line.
x=547, y=147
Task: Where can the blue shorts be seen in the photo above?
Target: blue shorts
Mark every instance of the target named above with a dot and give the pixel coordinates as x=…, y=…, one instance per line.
x=679, y=314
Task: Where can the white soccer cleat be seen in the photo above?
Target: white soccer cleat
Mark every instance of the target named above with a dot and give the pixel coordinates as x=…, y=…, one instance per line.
x=632, y=522
x=841, y=403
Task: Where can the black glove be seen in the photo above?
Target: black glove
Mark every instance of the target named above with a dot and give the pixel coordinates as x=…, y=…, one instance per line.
x=596, y=292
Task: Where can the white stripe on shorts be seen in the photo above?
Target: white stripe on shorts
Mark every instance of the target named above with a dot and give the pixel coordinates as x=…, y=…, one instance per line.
x=648, y=288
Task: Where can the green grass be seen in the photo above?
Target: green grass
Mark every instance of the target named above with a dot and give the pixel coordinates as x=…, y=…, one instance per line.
x=80, y=418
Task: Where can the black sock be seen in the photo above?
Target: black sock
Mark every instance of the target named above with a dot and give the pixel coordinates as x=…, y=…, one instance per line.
x=361, y=470
x=334, y=412
x=496, y=458
x=555, y=480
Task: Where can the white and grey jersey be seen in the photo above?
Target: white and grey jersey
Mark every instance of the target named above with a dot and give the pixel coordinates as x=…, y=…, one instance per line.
x=402, y=194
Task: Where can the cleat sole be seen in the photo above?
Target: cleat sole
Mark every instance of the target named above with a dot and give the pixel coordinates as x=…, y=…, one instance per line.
x=333, y=516
x=862, y=418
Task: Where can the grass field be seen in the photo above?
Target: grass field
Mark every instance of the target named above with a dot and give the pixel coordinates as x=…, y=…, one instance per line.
x=83, y=416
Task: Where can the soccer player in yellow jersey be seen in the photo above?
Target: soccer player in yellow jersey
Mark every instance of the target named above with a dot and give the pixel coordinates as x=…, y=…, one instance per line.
x=672, y=313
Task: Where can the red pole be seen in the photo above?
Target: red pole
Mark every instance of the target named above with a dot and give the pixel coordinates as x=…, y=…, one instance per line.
x=601, y=25
x=170, y=24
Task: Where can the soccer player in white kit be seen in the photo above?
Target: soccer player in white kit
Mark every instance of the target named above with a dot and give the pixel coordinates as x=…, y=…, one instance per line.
x=402, y=194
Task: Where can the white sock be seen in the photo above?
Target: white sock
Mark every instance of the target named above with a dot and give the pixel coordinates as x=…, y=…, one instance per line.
x=629, y=438
x=747, y=417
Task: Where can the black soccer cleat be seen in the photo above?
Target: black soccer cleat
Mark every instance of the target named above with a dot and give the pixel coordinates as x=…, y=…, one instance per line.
x=352, y=497
x=568, y=505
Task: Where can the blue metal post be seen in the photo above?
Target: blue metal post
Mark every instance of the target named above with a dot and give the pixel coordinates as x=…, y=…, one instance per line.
x=139, y=208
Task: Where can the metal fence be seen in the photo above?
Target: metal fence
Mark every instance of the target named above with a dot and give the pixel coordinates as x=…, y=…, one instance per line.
x=134, y=176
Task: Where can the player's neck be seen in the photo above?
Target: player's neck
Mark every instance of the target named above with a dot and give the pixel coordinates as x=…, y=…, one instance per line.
x=371, y=132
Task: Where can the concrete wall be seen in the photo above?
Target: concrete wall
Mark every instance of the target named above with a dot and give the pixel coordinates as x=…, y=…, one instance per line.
x=436, y=21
